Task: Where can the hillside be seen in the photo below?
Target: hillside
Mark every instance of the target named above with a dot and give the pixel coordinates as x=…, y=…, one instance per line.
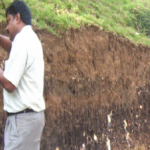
x=93, y=72
x=126, y=18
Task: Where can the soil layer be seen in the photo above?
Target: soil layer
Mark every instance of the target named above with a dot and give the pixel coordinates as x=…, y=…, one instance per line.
x=97, y=91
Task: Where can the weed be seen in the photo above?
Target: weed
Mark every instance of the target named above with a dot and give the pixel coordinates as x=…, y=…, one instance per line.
x=123, y=17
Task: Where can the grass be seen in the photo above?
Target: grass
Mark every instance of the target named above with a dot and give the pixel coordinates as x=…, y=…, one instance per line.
x=123, y=17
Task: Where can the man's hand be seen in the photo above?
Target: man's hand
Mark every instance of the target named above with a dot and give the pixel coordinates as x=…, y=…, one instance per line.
x=7, y=85
x=1, y=72
x=5, y=42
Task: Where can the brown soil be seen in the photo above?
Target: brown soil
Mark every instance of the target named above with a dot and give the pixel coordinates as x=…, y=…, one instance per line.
x=88, y=74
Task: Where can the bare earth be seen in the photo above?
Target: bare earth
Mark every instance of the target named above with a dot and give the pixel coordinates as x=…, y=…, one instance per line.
x=97, y=90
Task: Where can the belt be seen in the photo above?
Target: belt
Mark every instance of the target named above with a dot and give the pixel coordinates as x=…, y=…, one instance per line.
x=24, y=111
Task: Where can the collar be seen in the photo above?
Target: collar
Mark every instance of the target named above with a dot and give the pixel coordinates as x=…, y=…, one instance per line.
x=25, y=29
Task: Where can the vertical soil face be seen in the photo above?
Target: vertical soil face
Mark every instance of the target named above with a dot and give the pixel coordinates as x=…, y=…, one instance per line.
x=96, y=89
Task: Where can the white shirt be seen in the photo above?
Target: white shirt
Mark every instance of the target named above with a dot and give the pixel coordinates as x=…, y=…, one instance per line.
x=25, y=70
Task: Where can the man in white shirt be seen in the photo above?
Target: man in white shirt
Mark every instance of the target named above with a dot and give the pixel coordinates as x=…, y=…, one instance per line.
x=22, y=80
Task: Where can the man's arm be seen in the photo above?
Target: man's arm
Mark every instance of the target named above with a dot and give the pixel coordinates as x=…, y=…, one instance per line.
x=5, y=42
x=7, y=85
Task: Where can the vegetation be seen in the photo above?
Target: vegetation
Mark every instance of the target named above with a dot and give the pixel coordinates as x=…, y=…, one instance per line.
x=124, y=17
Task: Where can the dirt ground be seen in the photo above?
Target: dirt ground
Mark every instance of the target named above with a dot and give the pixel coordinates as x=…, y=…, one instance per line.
x=97, y=91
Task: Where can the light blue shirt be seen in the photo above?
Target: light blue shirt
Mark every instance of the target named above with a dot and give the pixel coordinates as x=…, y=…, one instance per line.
x=25, y=70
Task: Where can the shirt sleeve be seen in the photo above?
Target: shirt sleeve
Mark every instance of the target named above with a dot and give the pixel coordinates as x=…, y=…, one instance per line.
x=15, y=65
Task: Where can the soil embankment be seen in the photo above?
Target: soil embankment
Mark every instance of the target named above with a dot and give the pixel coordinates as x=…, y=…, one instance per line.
x=90, y=74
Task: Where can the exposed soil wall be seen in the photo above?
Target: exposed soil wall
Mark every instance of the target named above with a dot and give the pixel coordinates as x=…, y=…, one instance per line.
x=90, y=74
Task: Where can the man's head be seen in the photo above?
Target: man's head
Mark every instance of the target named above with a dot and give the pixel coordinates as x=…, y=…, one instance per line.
x=18, y=14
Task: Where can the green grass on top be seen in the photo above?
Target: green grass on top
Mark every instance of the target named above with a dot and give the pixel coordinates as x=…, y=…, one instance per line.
x=129, y=18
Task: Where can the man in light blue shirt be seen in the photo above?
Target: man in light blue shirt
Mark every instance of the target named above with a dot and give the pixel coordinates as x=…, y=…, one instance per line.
x=23, y=81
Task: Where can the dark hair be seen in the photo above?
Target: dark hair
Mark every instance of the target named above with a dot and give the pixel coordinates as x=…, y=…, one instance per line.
x=19, y=6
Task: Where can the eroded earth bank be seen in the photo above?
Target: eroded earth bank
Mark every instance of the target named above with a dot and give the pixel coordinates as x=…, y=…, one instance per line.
x=97, y=91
